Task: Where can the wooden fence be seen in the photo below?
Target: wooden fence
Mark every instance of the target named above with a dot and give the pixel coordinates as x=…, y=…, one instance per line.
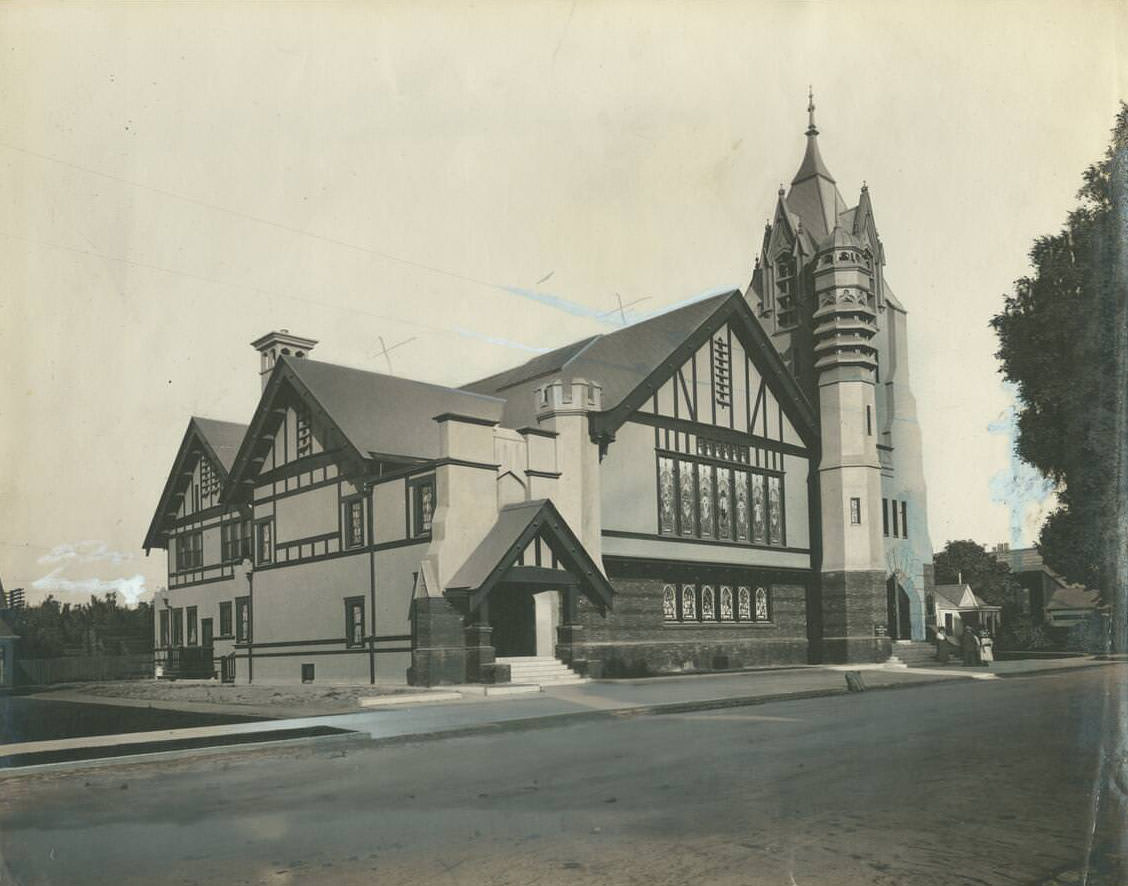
x=83, y=668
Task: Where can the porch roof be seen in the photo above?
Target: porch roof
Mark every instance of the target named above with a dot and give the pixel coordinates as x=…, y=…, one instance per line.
x=517, y=525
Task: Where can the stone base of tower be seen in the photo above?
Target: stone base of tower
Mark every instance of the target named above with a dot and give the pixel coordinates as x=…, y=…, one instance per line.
x=854, y=618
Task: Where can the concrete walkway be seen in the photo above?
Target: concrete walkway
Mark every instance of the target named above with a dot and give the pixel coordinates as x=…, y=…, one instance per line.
x=555, y=705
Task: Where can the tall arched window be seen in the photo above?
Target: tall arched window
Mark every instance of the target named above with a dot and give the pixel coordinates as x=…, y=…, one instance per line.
x=669, y=603
x=689, y=603
x=726, y=603
x=707, y=611
x=761, y=604
x=744, y=604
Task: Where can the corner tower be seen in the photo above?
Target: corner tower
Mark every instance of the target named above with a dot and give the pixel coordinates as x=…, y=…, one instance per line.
x=819, y=289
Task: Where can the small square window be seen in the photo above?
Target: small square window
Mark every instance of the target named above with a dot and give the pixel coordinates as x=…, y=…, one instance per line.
x=307, y=673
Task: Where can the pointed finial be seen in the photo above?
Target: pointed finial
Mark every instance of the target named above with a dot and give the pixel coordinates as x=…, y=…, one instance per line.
x=780, y=192
x=811, y=129
x=865, y=187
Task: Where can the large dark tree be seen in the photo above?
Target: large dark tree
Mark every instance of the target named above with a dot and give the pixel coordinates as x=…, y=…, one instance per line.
x=1063, y=337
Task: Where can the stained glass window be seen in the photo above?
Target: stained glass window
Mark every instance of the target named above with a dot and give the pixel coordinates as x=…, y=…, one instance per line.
x=744, y=604
x=726, y=603
x=707, y=611
x=666, y=503
x=689, y=603
x=741, y=506
x=705, y=499
x=687, y=496
x=724, y=503
x=761, y=604
x=759, y=510
x=775, y=510
x=669, y=603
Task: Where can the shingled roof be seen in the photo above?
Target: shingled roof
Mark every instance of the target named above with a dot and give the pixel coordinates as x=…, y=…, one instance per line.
x=619, y=361
x=383, y=414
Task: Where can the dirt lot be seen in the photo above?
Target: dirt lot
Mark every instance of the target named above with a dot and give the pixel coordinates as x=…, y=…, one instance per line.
x=196, y=694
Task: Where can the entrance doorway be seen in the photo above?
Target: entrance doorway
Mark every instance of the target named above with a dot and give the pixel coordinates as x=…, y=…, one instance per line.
x=897, y=602
x=514, y=621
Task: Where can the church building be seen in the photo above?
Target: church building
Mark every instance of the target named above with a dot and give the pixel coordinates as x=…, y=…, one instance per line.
x=733, y=483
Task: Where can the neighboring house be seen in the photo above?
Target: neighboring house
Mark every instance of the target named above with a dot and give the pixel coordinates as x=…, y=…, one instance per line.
x=715, y=487
x=956, y=606
x=1049, y=598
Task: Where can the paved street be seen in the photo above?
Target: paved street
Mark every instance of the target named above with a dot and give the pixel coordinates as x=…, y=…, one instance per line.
x=986, y=782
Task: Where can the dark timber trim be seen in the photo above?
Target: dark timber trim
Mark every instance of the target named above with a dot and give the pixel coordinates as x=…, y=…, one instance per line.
x=758, y=347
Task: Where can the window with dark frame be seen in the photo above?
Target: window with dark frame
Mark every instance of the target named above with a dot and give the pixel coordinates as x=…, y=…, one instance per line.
x=885, y=516
x=896, y=533
x=869, y=421
x=307, y=672
x=164, y=628
x=856, y=511
x=189, y=551
x=726, y=502
x=236, y=541
x=265, y=541
x=354, y=522
x=193, y=626
x=178, y=627
x=226, y=622
x=422, y=496
x=242, y=619
x=710, y=603
x=354, y=621
x=904, y=519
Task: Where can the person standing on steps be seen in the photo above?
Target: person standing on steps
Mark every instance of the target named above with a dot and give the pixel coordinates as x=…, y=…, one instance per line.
x=942, y=650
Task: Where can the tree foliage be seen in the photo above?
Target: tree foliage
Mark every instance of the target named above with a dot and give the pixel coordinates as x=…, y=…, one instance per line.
x=100, y=627
x=966, y=561
x=1061, y=335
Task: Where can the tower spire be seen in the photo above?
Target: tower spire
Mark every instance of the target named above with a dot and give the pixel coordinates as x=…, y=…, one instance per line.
x=811, y=128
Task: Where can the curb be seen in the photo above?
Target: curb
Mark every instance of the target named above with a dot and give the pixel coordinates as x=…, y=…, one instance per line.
x=244, y=749
x=1061, y=670
x=359, y=739
x=678, y=707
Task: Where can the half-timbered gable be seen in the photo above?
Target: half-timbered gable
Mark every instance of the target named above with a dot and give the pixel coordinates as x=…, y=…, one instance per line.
x=191, y=522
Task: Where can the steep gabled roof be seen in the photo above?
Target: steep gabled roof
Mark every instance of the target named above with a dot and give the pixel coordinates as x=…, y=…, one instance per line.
x=384, y=414
x=376, y=416
x=630, y=362
x=618, y=361
x=220, y=441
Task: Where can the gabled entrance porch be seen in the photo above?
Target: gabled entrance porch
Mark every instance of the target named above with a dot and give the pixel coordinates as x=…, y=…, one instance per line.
x=516, y=596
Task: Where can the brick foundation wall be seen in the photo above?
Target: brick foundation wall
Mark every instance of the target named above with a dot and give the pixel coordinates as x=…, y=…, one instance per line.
x=853, y=612
x=636, y=640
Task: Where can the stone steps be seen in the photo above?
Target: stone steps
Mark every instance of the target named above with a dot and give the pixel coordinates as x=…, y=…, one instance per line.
x=540, y=669
x=915, y=653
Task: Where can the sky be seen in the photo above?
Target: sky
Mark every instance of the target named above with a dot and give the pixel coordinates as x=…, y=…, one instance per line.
x=468, y=185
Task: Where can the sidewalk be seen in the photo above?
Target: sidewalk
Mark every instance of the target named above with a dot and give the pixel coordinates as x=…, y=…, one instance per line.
x=554, y=705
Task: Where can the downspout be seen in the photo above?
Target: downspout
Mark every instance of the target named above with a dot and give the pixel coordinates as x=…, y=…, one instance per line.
x=250, y=626
x=367, y=487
